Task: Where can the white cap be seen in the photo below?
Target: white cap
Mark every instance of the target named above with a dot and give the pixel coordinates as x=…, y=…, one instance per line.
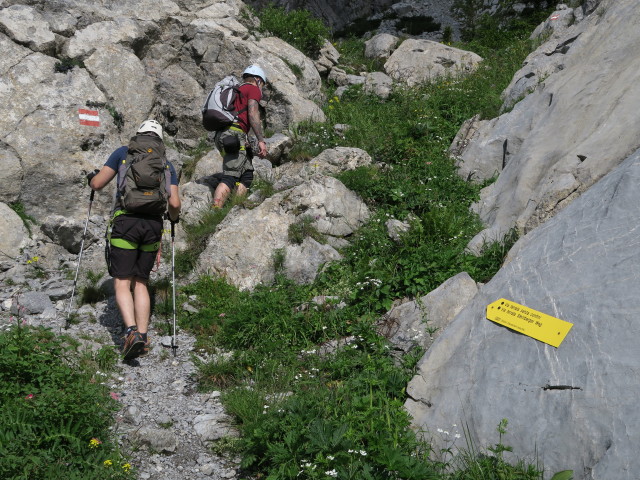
x=255, y=71
x=150, y=126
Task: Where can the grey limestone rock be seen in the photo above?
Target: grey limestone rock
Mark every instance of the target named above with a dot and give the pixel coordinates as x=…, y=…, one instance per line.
x=574, y=407
x=544, y=160
x=417, y=61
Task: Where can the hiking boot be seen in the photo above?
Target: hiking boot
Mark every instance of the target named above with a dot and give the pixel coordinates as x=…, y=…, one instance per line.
x=133, y=346
x=145, y=350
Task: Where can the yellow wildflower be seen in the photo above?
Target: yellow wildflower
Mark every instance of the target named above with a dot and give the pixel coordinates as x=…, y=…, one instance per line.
x=94, y=443
x=126, y=467
x=107, y=463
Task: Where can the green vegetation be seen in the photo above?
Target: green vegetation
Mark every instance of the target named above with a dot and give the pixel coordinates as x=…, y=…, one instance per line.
x=65, y=64
x=118, y=117
x=27, y=220
x=56, y=412
x=297, y=27
x=315, y=390
x=92, y=292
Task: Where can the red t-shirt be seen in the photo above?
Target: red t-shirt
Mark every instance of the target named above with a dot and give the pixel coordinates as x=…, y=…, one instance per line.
x=247, y=91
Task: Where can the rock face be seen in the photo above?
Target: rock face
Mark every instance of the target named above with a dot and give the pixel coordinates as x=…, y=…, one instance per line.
x=544, y=161
x=157, y=59
x=575, y=406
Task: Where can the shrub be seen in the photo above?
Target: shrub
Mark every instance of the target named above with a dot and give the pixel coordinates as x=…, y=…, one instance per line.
x=297, y=27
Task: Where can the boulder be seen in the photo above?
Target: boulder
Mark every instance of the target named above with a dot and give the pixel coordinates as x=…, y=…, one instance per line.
x=342, y=79
x=378, y=83
x=380, y=46
x=68, y=232
x=571, y=407
x=302, y=262
x=418, y=61
x=13, y=236
x=209, y=164
x=419, y=322
x=32, y=303
x=156, y=439
x=327, y=59
x=242, y=248
x=26, y=26
x=330, y=162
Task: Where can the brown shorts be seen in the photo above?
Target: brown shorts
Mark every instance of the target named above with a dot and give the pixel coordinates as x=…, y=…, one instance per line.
x=140, y=233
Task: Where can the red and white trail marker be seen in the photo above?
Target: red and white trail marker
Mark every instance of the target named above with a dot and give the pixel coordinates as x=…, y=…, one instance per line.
x=89, y=117
x=555, y=17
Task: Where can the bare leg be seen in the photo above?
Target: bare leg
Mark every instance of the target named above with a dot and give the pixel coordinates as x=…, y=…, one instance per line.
x=135, y=306
x=142, y=304
x=241, y=190
x=220, y=195
x=124, y=300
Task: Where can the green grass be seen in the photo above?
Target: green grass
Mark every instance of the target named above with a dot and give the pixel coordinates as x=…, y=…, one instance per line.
x=27, y=220
x=53, y=405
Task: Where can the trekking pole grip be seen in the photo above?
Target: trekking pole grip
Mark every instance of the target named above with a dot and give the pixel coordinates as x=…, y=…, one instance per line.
x=93, y=192
x=173, y=230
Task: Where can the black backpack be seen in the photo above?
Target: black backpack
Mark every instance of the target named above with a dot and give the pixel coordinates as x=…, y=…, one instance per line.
x=144, y=181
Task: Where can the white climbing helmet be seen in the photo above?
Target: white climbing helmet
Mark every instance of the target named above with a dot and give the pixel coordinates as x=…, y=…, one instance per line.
x=150, y=126
x=255, y=71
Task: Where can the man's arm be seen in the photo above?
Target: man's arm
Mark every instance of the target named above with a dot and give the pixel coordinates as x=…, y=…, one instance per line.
x=256, y=126
x=102, y=178
x=174, y=203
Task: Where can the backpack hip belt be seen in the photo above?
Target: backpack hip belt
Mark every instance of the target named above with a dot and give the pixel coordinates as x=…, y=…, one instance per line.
x=128, y=244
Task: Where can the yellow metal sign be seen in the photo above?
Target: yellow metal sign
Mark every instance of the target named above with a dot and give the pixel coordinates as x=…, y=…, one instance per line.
x=529, y=322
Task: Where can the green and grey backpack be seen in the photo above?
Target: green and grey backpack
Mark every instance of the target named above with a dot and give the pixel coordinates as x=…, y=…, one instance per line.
x=144, y=181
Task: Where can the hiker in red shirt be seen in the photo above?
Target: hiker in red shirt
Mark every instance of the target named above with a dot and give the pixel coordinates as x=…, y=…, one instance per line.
x=234, y=144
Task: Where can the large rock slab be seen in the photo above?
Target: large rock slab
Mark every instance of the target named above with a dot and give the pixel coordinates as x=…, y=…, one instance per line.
x=535, y=148
x=84, y=42
x=131, y=91
x=572, y=407
x=380, y=46
x=10, y=176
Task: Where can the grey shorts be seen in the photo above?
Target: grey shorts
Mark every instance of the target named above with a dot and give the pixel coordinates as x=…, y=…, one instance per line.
x=234, y=162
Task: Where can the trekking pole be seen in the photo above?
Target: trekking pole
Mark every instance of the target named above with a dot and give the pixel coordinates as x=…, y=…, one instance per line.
x=174, y=345
x=75, y=280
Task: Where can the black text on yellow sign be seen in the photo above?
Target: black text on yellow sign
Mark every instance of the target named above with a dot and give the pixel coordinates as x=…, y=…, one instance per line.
x=529, y=322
